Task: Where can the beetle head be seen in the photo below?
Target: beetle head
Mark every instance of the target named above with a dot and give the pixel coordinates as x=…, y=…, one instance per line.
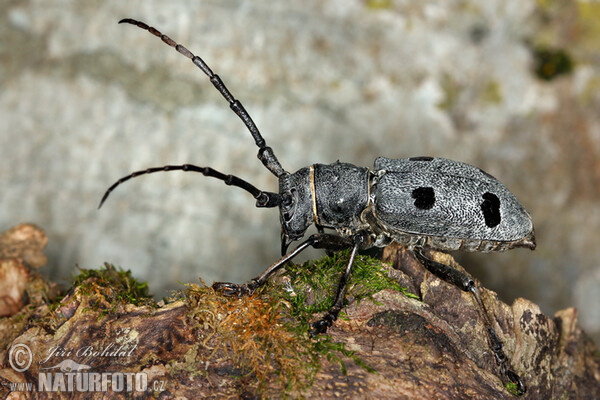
x=296, y=207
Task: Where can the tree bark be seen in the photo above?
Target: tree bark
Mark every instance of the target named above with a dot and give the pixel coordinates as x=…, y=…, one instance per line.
x=202, y=344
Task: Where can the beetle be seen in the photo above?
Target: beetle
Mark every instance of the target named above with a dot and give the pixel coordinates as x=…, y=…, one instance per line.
x=418, y=202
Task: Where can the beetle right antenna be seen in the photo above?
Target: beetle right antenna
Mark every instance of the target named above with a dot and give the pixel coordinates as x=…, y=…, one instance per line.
x=263, y=199
x=265, y=153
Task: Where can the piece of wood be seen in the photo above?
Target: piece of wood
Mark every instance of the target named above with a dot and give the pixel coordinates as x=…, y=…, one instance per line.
x=206, y=345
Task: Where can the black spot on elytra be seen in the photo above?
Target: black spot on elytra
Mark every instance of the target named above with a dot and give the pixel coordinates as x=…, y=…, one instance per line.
x=491, y=209
x=424, y=197
x=421, y=158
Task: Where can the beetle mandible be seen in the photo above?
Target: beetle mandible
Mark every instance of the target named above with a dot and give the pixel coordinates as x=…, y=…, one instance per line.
x=418, y=202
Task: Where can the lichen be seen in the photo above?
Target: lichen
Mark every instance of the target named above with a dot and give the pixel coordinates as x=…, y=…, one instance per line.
x=379, y=4
x=589, y=24
x=451, y=89
x=492, y=93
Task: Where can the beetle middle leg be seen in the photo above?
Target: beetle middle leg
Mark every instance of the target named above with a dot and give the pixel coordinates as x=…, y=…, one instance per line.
x=331, y=315
x=466, y=283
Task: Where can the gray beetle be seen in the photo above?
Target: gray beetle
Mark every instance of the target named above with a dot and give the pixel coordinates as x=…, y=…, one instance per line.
x=418, y=202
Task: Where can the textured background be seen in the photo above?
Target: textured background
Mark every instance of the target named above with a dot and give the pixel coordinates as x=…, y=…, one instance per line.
x=84, y=101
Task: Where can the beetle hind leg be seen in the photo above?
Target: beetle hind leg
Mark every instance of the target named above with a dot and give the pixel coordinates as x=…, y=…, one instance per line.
x=466, y=283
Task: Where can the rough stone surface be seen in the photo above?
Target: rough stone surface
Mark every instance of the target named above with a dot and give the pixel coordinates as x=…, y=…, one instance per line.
x=84, y=101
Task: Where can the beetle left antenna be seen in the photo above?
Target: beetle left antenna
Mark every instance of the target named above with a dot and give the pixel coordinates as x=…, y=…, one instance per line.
x=263, y=199
x=265, y=153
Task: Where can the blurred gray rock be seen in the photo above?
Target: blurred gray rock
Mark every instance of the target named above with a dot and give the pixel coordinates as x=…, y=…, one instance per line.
x=84, y=101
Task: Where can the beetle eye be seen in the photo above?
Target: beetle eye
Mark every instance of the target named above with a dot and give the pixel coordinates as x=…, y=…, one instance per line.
x=288, y=205
x=286, y=200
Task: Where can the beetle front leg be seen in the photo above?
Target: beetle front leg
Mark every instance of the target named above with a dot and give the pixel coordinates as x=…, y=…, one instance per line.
x=318, y=241
x=466, y=283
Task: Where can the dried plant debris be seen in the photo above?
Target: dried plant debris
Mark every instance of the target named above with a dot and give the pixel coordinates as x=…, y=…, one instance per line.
x=266, y=334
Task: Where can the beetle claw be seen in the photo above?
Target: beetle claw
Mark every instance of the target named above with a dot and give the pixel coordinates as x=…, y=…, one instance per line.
x=516, y=379
x=233, y=289
x=321, y=325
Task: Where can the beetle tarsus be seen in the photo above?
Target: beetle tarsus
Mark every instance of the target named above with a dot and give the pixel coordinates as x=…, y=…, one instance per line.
x=322, y=324
x=515, y=379
x=235, y=289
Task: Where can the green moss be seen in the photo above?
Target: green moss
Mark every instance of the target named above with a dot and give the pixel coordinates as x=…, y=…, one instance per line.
x=311, y=287
x=274, y=323
x=513, y=388
x=117, y=285
x=320, y=278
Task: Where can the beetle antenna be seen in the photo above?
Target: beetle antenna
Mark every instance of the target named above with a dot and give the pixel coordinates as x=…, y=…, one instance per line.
x=265, y=153
x=263, y=199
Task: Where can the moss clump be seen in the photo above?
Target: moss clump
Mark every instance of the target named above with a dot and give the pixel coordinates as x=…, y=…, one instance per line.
x=117, y=286
x=107, y=289
x=253, y=332
x=311, y=287
x=513, y=388
x=268, y=333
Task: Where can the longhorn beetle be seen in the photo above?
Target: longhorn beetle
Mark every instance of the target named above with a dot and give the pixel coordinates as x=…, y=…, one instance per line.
x=417, y=202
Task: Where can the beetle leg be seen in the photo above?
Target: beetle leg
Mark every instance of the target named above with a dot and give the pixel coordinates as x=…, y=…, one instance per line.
x=318, y=241
x=466, y=283
x=331, y=315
